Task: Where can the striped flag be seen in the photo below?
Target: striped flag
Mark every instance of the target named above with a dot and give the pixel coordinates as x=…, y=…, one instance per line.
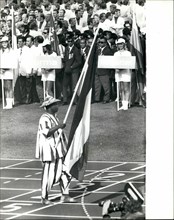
x=55, y=42
x=76, y=157
x=138, y=82
x=136, y=47
x=14, y=47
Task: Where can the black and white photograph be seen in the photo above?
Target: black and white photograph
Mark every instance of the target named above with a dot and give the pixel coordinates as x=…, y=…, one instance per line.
x=86, y=109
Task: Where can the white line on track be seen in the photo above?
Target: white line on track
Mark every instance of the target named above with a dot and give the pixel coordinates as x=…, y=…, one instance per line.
x=91, y=161
x=98, y=161
x=56, y=216
x=38, y=202
x=119, y=171
x=23, y=178
x=21, y=168
x=23, y=194
x=17, y=189
x=105, y=169
x=28, y=176
x=16, y=164
x=6, y=182
x=137, y=168
x=38, y=173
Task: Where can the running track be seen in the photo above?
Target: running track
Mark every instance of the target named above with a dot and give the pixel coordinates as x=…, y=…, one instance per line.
x=20, y=189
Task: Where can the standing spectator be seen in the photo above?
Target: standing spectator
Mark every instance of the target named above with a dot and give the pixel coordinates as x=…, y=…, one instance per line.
x=84, y=49
x=102, y=75
x=41, y=23
x=89, y=12
x=46, y=34
x=55, y=14
x=80, y=21
x=125, y=10
x=123, y=76
x=21, y=82
x=25, y=18
x=96, y=21
x=24, y=30
x=77, y=35
x=7, y=74
x=51, y=151
x=48, y=75
x=73, y=63
x=119, y=23
x=32, y=95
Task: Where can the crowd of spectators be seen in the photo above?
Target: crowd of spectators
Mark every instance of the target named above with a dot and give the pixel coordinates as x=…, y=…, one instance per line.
x=75, y=23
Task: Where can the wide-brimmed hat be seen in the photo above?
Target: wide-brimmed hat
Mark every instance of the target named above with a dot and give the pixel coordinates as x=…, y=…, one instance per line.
x=49, y=100
x=5, y=38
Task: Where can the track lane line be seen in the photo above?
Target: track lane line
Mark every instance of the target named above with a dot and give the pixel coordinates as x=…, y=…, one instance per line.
x=16, y=164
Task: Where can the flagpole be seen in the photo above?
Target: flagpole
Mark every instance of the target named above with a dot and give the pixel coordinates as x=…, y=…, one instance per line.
x=80, y=78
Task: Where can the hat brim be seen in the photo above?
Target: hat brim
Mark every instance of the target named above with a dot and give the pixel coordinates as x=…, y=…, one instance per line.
x=44, y=104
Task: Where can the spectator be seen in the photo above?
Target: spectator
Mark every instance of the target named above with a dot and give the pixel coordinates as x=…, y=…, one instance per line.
x=102, y=75
x=32, y=95
x=41, y=23
x=48, y=75
x=7, y=74
x=20, y=86
x=119, y=23
x=123, y=76
x=73, y=63
x=84, y=49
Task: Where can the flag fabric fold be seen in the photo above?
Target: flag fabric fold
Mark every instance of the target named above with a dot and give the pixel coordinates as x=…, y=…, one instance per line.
x=136, y=47
x=76, y=157
x=53, y=34
x=14, y=46
x=138, y=76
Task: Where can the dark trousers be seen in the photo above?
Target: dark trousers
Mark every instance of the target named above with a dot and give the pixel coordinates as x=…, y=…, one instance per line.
x=69, y=80
x=102, y=81
x=59, y=83
x=25, y=90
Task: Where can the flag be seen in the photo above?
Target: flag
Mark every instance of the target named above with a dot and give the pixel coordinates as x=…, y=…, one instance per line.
x=14, y=36
x=52, y=32
x=76, y=157
x=14, y=46
x=136, y=47
x=138, y=79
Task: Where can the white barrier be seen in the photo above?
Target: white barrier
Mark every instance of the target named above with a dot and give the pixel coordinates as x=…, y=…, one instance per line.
x=114, y=62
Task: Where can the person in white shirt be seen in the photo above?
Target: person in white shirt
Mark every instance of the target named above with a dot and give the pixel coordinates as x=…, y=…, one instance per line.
x=123, y=76
x=32, y=96
x=48, y=75
x=118, y=23
x=125, y=10
x=41, y=23
x=7, y=74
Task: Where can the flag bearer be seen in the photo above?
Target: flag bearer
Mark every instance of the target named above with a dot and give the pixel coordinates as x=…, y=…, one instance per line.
x=51, y=150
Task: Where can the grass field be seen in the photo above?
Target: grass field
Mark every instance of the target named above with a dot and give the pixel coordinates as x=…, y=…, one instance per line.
x=114, y=136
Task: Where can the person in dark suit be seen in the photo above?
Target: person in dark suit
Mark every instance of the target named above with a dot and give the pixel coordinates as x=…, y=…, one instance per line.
x=102, y=75
x=72, y=63
x=84, y=48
